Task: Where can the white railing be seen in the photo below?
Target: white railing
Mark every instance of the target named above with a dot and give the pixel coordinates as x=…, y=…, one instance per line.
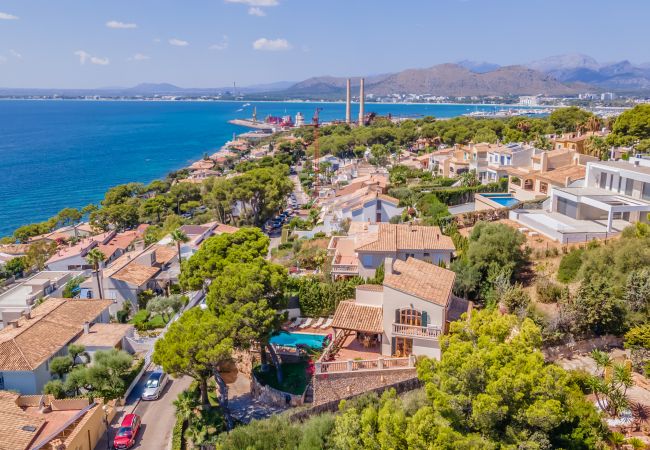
x=400, y=329
x=345, y=268
x=364, y=365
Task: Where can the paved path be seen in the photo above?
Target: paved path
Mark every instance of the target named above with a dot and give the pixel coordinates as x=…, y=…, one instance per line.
x=158, y=416
x=242, y=406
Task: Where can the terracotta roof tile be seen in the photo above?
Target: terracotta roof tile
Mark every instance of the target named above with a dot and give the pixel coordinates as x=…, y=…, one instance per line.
x=354, y=316
x=421, y=279
x=370, y=287
x=396, y=237
x=12, y=420
x=53, y=324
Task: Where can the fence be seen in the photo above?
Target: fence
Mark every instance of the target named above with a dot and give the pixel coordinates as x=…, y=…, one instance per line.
x=364, y=365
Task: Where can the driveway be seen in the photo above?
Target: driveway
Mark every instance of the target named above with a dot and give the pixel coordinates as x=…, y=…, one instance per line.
x=158, y=417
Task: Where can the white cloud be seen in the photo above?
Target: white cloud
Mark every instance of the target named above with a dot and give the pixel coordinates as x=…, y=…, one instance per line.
x=139, y=57
x=255, y=2
x=15, y=54
x=85, y=57
x=120, y=25
x=271, y=45
x=255, y=11
x=222, y=45
x=6, y=16
x=178, y=42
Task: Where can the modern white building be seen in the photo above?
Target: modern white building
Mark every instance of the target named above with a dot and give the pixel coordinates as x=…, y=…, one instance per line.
x=614, y=195
x=503, y=157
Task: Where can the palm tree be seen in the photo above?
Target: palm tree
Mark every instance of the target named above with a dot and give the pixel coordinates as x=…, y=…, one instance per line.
x=617, y=439
x=95, y=258
x=179, y=237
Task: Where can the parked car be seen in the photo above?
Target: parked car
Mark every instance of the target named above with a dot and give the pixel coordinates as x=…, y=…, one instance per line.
x=155, y=385
x=128, y=432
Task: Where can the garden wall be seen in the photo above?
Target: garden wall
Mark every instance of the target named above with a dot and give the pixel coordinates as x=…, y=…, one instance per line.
x=406, y=385
x=333, y=387
x=271, y=396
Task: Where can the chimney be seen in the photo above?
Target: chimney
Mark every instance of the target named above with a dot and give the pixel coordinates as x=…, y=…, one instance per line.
x=347, y=101
x=27, y=314
x=362, y=103
x=388, y=265
x=86, y=327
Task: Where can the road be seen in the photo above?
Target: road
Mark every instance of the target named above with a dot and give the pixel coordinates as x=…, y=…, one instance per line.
x=158, y=417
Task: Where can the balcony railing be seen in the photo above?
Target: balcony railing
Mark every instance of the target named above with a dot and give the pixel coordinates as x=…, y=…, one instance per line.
x=400, y=329
x=345, y=268
x=366, y=365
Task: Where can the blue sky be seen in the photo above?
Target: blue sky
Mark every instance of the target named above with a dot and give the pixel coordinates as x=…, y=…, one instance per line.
x=210, y=43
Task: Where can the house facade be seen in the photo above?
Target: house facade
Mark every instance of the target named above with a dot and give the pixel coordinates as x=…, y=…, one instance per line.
x=361, y=253
x=28, y=344
x=614, y=195
x=407, y=315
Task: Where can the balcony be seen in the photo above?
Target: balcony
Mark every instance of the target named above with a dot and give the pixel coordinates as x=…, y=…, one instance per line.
x=345, y=269
x=414, y=331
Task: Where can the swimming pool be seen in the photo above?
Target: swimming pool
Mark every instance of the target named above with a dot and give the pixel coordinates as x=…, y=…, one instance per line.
x=288, y=339
x=505, y=200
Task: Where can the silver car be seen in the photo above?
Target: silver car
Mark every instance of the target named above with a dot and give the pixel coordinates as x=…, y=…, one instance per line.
x=155, y=385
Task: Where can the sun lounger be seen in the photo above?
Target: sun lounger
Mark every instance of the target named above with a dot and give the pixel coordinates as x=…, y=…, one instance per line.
x=297, y=322
x=306, y=323
x=319, y=322
x=327, y=323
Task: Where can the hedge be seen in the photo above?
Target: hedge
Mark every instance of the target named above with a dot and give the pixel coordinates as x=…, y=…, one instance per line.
x=570, y=265
x=178, y=443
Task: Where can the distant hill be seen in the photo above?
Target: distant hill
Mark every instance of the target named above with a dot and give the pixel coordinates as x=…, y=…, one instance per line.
x=478, y=66
x=443, y=80
x=621, y=76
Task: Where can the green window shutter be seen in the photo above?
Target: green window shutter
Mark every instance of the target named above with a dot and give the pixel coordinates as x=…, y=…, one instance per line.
x=424, y=318
x=397, y=316
x=392, y=346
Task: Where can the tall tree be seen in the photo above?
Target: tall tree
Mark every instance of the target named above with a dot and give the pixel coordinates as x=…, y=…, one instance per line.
x=96, y=258
x=179, y=238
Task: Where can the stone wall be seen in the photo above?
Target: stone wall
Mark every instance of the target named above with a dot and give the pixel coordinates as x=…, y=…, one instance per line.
x=334, y=387
x=271, y=396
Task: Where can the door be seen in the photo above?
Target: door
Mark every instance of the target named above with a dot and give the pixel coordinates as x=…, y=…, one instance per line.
x=403, y=347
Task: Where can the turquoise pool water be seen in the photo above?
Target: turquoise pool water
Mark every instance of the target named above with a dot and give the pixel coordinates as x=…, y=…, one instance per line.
x=294, y=339
x=506, y=200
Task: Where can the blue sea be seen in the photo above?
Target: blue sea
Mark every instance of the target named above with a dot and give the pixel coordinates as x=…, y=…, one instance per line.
x=57, y=153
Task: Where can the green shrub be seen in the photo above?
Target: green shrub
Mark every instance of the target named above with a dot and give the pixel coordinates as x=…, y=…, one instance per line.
x=285, y=246
x=320, y=234
x=570, y=265
x=548, y=291
x=122, y=316
x=177, y=434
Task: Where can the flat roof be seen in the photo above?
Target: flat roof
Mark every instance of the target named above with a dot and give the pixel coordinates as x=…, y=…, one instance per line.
x=104, y=334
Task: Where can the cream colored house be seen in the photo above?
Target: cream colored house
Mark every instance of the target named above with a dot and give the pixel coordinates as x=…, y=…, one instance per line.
x=370, y=244
x=406, y=315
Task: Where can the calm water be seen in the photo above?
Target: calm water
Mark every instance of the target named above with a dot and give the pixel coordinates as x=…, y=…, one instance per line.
x=57, y=154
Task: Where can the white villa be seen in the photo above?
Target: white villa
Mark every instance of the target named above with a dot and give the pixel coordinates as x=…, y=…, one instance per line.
x=614, y=194
x=367, y=245
x=404, y=317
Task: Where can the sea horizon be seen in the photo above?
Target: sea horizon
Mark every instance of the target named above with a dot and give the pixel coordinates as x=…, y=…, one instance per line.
x=60, y=153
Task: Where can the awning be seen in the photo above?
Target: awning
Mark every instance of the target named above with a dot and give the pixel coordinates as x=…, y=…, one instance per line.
x=358, y=317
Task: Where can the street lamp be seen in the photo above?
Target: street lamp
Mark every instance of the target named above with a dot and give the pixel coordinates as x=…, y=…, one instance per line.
x=106, y=408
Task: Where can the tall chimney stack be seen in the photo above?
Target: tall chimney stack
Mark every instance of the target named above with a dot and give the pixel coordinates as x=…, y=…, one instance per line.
x=362, y=100
x=347, y=102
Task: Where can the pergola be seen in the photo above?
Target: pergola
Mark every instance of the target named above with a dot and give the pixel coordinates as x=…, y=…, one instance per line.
x=353, y=317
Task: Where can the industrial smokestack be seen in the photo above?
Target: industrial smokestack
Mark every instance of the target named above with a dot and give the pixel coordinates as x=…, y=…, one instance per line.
x=362, y=100
x=347, y=102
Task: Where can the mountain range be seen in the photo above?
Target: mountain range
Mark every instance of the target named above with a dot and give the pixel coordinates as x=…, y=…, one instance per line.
x=557, y=75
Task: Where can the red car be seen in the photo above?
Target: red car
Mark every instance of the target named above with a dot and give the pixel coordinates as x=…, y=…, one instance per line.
x=125, y=437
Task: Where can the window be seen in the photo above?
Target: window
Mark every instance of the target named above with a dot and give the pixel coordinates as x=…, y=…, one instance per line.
x=2, y=381
x=646, y=191
x=629, y=185
x=410, y=316
x=603, y=180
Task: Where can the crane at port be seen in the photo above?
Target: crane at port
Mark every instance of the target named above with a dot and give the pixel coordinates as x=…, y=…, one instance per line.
x=315, y=121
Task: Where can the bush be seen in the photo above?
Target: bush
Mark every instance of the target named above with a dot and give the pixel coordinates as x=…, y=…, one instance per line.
x=548, y=291
x=177, y=434
x=122, y=316
x=320, y=234
x=285, y=246
x=570, y=265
